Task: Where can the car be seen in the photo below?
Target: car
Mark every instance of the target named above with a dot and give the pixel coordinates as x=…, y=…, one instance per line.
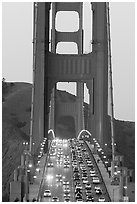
x=81, y=162
x=47, y=193
x=85, y=181
x=101, y=199
x=84, y=170
x=66, y=160
x=87, y=158
x=50, y=164
x=78, y=190
x=79, y=200
x=66, y=199
x=84, y=177
x=78, y=196
x=78, y=186
x=88, y=191
x=95, y=180
x=66, y=166
x=92, y=171
x=66, y=195
x=66, y=156
x=84, y=174
x=90, y=165
x=75, y=170
x=67, y=190
x=79, y=193
x=97, y=187
x=90, y=199
x=77, y=179
x=59, y=180
x=89, y=162
x=66, y=187
x=82, y=167
x=58, y=176
x=98, y=191
x=87, y=186
x=65, y=183
x=93, y=174
x=74, y=164
x=55, y=199
x=60, y=153
x=76, y=175
x=77, y=183
x=89, y=195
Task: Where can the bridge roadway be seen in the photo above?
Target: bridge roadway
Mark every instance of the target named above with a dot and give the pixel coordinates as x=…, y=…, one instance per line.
x=61, y=164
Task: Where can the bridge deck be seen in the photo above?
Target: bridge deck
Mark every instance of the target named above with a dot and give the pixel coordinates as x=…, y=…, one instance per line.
x=68, y=173
x=112, y=190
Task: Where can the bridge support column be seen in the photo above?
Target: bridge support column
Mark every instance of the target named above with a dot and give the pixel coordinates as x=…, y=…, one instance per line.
x=40, y=48
x=80, y=112
x=91, y=115
x=100, y=48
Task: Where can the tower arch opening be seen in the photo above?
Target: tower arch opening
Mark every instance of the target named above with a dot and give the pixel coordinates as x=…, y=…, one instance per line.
x=65, y=127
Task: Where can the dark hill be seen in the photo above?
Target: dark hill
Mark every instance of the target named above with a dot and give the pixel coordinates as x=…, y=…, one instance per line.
x=16, y=109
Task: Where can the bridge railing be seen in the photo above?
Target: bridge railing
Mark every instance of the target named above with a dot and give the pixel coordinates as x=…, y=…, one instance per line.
x=42, y=180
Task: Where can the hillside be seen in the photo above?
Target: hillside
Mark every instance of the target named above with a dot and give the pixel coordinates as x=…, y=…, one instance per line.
x=16, y=108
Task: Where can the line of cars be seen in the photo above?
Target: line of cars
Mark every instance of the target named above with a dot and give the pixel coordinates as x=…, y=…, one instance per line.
x=84, y=174
x=62, y=162
x=86, y=181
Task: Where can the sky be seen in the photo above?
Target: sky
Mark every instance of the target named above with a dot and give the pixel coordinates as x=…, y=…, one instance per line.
x=17, y=29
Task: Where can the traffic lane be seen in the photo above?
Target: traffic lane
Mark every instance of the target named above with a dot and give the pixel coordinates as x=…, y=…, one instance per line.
x=102, y=185
x=96, y=197
x=56, y=188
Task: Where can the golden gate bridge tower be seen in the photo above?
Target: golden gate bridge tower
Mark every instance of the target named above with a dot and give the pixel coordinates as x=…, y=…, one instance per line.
x=50, y=68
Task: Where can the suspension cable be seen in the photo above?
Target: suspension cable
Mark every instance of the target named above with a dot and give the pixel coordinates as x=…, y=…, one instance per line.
x=111, y=87
x=33, y=88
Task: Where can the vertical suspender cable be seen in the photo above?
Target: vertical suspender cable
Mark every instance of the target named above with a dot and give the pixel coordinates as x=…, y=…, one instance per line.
x=33, y=85
x=80, y=51
x=53, y=50
x=111, y=88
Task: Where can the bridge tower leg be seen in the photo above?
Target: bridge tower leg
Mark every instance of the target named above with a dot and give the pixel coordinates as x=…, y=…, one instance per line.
x=98, y=86
x=80, y=111
x=40, y=101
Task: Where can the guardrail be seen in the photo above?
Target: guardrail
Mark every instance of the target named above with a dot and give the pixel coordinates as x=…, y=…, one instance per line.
x=42, y=180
